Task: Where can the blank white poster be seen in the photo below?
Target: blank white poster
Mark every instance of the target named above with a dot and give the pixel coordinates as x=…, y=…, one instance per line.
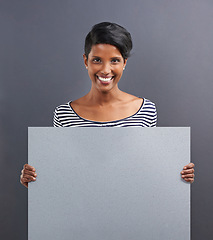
x=109, y=183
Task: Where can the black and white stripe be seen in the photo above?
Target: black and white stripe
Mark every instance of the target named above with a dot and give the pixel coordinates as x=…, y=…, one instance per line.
x=146, y=116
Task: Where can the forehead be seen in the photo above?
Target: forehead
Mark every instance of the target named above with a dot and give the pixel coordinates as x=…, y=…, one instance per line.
x=106, y=50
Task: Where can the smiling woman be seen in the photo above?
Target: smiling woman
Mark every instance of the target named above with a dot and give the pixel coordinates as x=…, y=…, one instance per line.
x=107, y=48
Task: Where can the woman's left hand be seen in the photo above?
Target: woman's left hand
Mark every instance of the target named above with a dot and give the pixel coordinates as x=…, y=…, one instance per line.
x=188, y=173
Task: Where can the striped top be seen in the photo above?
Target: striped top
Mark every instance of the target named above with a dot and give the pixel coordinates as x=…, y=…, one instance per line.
x=146, y=116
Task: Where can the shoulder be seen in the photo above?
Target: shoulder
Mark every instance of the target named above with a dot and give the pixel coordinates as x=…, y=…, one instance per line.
x=63, y=107
x=148, y=103
x=149, y=109
x=143, y=100
x=61, y=113
x=149, y=106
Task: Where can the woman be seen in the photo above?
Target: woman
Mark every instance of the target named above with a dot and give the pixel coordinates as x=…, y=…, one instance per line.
x=107, y=48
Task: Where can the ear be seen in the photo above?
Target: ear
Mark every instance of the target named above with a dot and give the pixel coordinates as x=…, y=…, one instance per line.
x=85, y=61
x=125, y=62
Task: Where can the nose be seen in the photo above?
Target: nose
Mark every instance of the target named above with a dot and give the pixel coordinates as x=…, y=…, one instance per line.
x=106, y=69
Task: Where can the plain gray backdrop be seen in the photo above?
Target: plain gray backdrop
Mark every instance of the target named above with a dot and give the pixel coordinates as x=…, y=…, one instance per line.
x=41, y=66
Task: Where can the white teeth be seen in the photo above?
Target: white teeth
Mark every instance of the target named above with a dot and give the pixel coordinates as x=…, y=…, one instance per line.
x=105, y=79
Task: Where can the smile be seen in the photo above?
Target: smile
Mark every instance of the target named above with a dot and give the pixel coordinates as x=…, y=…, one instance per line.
x=105, y=80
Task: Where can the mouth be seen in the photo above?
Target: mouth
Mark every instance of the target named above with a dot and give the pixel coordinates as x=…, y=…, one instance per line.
x=105, y=80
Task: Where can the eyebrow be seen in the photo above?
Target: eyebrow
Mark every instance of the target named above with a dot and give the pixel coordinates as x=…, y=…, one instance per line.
x=110, y=58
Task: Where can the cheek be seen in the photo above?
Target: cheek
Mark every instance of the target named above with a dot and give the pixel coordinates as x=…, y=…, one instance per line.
x=119, y=70
x=93, y=69
x=92, y=73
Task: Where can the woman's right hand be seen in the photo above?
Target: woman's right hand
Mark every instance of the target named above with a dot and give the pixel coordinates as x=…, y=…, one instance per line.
x=28, y=174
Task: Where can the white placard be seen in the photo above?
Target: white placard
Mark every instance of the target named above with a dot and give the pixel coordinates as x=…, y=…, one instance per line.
x=109, y=184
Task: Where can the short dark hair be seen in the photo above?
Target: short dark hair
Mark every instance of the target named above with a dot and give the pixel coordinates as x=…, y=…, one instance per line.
x=109, y=33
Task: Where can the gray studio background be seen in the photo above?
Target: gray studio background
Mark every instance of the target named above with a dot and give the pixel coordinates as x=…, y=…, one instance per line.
x=41, y=66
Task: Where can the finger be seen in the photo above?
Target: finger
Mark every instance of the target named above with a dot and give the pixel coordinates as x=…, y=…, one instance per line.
x=28, y=167
x=188, y=176
x=28, y=178
x=29, y=173
x=188, y=171
x=25, y=180
x=190, y=165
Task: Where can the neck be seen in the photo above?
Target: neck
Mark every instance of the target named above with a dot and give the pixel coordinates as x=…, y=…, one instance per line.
x=96, y=97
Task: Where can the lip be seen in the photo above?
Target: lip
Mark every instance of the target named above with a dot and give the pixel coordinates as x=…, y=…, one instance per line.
x=103, y=82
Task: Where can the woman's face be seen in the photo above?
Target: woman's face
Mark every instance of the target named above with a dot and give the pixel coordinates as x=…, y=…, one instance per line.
x=105, y=66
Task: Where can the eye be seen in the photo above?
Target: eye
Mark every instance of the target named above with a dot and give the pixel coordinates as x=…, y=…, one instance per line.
x=115, y=60
x=96, y=60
